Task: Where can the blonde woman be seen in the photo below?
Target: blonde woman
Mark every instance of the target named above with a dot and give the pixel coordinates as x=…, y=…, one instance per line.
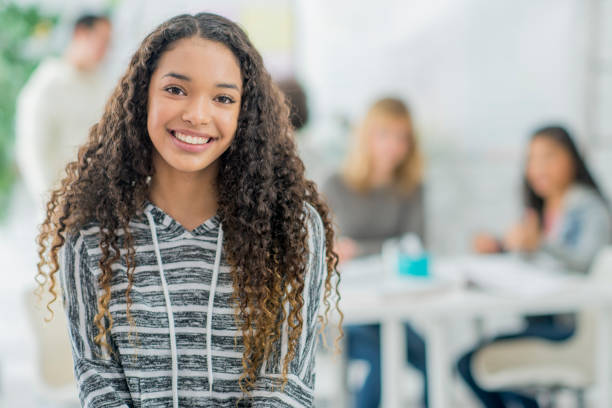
x=378, y=195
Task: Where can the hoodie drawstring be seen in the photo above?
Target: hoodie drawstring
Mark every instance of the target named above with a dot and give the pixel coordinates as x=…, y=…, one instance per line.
x=168, y=311
x=211, y=298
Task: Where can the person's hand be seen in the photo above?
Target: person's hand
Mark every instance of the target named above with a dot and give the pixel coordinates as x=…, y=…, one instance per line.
x=532, y=231
x=485, y=244
x=513, y=241
x=526, y=235
x=346, y=249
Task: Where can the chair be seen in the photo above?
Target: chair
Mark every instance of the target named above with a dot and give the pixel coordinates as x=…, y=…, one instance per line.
x=55, y=384
x=540, y=365
x=330, y=385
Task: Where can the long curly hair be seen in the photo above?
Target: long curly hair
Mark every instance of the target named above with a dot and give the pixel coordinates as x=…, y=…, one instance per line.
x=262, y=192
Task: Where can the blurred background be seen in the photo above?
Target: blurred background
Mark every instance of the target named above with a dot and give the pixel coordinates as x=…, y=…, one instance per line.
x=478, y=77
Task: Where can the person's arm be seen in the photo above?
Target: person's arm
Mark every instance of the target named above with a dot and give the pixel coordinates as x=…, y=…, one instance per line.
x=100, y=377
x=587, y=230
x=299, y=390
x=36, y=130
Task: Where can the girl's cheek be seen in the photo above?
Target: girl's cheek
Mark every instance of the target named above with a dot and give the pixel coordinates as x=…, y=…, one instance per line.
x=229, y=119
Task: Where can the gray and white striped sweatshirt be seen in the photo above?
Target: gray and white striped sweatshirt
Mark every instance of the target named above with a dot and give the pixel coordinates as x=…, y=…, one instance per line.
x=182, y=288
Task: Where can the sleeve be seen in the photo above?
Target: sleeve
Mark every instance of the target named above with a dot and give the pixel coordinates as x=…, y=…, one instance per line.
x=100, y=378
x=35, y=133
x=299, y=390
x=336, y=198
x=586, y=230
x=314, y=290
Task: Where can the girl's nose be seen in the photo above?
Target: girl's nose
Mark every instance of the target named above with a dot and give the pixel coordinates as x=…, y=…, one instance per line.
x=197, y=112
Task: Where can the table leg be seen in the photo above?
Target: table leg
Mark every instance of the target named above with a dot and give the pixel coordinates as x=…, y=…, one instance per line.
x=439, y=365
x=392, y=361
x=603, y=357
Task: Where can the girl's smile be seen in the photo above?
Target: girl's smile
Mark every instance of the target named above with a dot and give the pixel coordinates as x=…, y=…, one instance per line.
x=190, y=140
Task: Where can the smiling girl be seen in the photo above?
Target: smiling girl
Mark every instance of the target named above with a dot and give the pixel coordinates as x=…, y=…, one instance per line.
x=193, y=254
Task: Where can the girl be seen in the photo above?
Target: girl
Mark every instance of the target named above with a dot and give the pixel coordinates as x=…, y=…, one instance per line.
x=382, y=174
x=566, y=219
x=379, y=196
x=194, y=254
x=566, y=215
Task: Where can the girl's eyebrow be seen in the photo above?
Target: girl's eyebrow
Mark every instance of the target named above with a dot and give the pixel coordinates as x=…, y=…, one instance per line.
x=186, y=78
x=226, y=85
x=177, y=76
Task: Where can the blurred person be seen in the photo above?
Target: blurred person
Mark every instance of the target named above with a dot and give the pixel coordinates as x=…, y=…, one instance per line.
x=378, y=195
x=382, y=175
x=60, y=102
x=566, y=218
x=297, y=101
x=566, y=215
x=312, y=153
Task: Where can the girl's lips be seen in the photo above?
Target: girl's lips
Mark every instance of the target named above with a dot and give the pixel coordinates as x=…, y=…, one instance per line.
x=188, y=147
x=189, y=132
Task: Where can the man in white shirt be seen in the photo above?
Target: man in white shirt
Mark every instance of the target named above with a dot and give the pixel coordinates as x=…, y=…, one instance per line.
x=58, y=105
x=62, y=99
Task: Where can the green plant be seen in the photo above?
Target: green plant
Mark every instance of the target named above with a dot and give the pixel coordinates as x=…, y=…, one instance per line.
x=20, y=27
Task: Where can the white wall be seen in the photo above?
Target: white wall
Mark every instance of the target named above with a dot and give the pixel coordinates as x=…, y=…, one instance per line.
x=479, y=75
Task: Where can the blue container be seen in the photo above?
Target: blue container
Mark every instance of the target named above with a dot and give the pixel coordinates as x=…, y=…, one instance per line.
x=413, y=266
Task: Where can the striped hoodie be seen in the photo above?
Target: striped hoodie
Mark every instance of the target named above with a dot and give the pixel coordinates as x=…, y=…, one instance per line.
x=185, y=349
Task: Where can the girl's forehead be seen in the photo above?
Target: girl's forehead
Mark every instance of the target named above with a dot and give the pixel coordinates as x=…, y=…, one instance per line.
x=388, y=120
x=545, y=143
x=199, y=59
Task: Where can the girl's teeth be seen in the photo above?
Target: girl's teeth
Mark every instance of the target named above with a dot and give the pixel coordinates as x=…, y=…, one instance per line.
x=191, y=139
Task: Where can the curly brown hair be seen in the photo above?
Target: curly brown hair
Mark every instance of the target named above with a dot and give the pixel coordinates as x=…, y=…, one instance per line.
x=262, y=193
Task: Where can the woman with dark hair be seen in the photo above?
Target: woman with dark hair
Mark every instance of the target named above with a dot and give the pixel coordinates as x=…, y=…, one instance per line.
x=196, y=261
x=566, y=218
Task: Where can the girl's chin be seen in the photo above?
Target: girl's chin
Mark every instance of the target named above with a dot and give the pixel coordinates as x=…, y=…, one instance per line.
x=182, y=166
x=542, y=192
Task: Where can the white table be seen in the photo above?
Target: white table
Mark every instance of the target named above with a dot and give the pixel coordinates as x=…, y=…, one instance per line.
x=367, y=298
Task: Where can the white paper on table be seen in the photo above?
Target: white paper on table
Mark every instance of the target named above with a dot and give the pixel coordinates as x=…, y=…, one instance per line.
x=508, y=274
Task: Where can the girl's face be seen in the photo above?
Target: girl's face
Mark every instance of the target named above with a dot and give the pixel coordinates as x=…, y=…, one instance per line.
x=550, y=168
x=193, y=105
x=389, y=141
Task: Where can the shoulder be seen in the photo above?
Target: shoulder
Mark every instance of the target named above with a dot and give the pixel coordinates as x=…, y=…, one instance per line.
x=86, y=240
x=73, y=256
x=46, y=75
x=316, y=239
x=314, y=222
x=581, y=197
x=81, y=240
x=73, y=241
x=334, y=181
x=417, y=193
x=335, y=188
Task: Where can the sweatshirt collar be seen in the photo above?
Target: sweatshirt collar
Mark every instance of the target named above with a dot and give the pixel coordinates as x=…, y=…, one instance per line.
x=165, y=222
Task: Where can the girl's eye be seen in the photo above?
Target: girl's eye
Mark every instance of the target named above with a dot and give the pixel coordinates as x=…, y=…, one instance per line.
x=224, y=99
x=174, y=90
